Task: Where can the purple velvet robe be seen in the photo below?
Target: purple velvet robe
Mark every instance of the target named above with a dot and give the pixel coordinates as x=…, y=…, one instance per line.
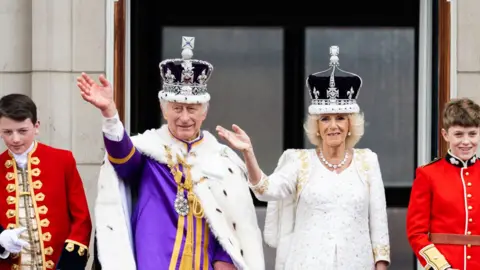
x=158, y=244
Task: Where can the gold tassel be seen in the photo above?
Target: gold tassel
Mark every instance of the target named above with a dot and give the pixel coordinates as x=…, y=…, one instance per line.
x=188, y=253
x=189, y=240
x=195, y=205
x=196, y=208
x=187, y=258
x=193, y=200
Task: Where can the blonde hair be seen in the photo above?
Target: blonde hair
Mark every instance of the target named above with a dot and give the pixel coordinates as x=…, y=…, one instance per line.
x=356, y=129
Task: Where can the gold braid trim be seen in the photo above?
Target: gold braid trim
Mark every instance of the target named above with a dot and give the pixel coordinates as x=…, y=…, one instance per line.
x=302, y=173
x=196, y=208
x=434, y=258
x=262, y=186
x=187, y=258
x=192, y=198
x=122, y=160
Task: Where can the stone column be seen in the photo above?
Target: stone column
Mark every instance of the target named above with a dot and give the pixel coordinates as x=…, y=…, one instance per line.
x=69, y=38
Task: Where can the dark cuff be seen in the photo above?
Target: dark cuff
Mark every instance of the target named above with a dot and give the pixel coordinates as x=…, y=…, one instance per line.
x=96, y=262
x=74, y=257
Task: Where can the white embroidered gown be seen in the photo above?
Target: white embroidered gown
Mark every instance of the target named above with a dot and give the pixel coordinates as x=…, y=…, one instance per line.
x=340, y=220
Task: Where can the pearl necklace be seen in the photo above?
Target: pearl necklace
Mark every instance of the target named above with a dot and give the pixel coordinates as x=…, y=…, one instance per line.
x=334, y=166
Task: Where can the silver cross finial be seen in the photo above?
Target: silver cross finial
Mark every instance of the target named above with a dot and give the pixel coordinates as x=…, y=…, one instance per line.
x=188, y=43
x=334, y=51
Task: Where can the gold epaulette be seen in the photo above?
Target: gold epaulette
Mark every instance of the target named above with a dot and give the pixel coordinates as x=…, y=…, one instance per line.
x=431, y=162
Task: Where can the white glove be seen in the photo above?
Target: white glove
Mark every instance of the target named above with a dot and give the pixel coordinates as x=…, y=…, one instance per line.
x=11, y=242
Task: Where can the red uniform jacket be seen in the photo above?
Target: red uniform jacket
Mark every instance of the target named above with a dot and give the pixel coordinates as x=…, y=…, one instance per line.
x=60, y=203
x=445, y=198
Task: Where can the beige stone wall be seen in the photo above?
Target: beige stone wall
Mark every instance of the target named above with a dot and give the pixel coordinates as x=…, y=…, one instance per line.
x=468, y=49
x=45, y=45
x=16, y=46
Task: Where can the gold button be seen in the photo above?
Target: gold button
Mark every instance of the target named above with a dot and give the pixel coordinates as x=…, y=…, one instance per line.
x=42, y=209
x=10, y=213
x=49, y=264
x=469, y=245
x=37, y=184
x=40, y=197
x=470, y=220
x=49, y=251
x=469, y=184
x=46, y=236
x=45, y=222
x=470, y=208
x=469, y=195
x=35, y=172
x=35, y=160
x=11, y=200
x=10, y=188
x=466, y=173
x=70, y=247
x=10, y=176
x=469, y=257
x=469, y=232
x=8, y=163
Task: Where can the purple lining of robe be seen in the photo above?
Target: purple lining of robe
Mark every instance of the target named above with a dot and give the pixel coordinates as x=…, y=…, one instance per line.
x=154, y=220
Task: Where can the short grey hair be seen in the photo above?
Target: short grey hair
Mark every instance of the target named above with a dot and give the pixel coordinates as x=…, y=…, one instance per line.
x=356, y=129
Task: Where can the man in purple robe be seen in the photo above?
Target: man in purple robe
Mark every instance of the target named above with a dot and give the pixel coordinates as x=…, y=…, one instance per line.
x=193, y=208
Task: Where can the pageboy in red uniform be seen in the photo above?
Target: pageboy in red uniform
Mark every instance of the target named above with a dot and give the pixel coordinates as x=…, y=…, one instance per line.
x=443, y=219
x=44, y=220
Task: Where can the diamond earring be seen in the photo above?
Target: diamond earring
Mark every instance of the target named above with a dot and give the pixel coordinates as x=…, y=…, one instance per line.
x=348, y=134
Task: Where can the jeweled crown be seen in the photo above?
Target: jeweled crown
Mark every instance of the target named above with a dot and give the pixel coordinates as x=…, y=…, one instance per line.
x=185, y=79
x=334, y=90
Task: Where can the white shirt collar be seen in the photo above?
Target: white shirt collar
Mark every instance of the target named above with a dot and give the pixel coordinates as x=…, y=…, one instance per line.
x=22, y=159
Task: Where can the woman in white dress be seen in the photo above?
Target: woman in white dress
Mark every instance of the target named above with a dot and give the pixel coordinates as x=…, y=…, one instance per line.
x=326, y=205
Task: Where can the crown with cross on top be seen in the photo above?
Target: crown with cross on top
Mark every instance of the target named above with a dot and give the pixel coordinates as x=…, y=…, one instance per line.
x=333, y=90
x=185, y=79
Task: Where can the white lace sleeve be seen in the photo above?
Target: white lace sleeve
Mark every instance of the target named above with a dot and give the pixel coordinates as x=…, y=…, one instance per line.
x=378, y=214
x=282, y=182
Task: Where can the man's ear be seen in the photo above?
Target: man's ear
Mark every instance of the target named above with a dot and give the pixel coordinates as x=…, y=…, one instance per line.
x=37, y=126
